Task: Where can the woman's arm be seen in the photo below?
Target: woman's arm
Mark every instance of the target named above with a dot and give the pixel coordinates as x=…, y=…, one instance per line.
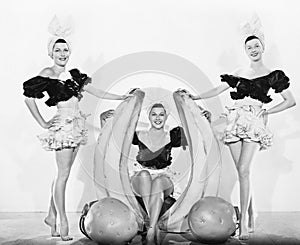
x=104, y=95
x=31, y=104
x=288, y=101
x=212, y=92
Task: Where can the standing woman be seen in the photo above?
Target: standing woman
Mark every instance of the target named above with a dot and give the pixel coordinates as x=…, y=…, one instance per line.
x=66, y=131
x=246, y=130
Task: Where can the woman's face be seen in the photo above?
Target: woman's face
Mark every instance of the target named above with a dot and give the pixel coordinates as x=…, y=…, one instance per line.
x=61, y=54
x=254, y=49
x=157, y=117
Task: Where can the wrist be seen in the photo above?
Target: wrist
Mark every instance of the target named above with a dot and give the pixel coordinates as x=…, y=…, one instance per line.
x=43, y=124
x=196, y=97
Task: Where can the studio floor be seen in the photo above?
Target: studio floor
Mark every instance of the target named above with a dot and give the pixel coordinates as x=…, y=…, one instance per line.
x=27, y=228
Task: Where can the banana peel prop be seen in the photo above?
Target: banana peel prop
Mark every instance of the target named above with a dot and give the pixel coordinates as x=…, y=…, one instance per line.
x=111, y=176
x=205, y=159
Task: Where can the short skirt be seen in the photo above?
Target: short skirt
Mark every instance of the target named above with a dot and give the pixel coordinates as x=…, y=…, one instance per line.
x=246, y=123
x=69, y=132
x=135, y=168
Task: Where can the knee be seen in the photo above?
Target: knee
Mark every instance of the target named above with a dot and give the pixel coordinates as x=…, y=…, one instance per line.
x=144, y=174
x=63, y=175
x=161, y=181
x=244, y=173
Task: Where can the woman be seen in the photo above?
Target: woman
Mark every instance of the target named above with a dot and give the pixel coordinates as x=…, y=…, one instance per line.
x=151, y=176
x=246, y=130
x=66, y=130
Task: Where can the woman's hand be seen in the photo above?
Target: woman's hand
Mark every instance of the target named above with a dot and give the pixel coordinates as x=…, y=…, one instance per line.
x=185, y=92
x=264, y=115
x=206, y=114
x=52, y=122
x=125, y=96
x=129, y=94
x=132, y=90
x=107, y=114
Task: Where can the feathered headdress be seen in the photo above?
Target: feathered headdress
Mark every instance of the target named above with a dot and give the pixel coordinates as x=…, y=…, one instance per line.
x=253, y=27
x=58, y=31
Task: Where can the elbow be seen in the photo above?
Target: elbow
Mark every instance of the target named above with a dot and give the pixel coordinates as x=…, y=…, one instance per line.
x=292, y=102
x=28, y=100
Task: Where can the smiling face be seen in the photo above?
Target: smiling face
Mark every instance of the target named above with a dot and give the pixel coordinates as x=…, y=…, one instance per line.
x=254, y=49
x=158, y=116
x=61, y=53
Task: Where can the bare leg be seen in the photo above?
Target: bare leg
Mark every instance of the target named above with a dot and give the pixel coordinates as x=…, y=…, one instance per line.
x=141, y=184
x=236, y=149
x=50, y=220
x=162, y=187
x=248, y=151
x=64, y=159
x=251, y=217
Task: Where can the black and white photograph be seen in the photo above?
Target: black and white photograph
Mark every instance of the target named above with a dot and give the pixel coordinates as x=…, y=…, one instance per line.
x=150, y=122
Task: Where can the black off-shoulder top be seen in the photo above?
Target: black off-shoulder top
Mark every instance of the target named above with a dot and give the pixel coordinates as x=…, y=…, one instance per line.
x=257, y=88
x=162, y=157
x=57, y=90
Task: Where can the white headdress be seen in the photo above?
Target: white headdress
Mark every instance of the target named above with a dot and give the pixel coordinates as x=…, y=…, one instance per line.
x=253, y=27
x=58, y=31
x=163, y=103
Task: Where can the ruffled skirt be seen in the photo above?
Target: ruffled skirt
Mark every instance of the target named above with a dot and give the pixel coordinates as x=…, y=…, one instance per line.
x=246, y=123
x=69, y=132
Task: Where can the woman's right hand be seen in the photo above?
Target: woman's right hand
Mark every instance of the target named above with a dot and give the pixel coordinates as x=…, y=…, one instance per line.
x=185, y=92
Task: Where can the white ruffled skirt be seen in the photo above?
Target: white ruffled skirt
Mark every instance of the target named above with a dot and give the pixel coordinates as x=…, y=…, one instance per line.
x=69, y=132
x=245, y=122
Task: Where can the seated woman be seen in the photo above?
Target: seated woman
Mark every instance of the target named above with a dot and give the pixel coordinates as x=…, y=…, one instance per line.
x=151, y=176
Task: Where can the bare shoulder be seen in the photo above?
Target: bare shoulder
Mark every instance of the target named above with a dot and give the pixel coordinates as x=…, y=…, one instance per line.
x=139, y=132
x=47, y=72
x=239, y=71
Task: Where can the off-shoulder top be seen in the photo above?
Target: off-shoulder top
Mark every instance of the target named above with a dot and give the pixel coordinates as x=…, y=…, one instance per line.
x=161, y=158
x=257, y=88
x=58, y=90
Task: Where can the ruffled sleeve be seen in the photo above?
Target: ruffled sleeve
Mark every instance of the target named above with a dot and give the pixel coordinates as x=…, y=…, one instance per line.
x=279, y=81
x=80, y=78
x=178, y=137
x=34, y=87
x=135, y=140
x=230, y=79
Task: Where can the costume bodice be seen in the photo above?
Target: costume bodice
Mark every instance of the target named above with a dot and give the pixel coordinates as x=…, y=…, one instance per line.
x=160, y=158
x=257, y=88
x=58, y=90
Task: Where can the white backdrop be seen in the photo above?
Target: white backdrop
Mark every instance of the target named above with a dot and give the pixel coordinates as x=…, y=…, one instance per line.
x=203, y=32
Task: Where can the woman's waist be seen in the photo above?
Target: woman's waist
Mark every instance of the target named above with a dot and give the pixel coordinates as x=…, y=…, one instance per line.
x=66, y=112
x=154, y=164
x=71, y=103
x=246, y=103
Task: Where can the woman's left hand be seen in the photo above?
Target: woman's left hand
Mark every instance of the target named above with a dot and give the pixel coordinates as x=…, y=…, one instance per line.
x=264, y=114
